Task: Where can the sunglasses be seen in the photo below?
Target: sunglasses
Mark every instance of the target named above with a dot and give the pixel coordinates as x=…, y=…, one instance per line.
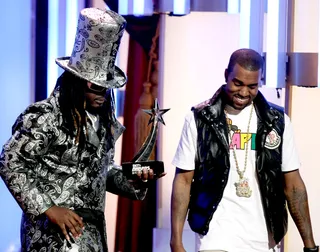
x=96, y=88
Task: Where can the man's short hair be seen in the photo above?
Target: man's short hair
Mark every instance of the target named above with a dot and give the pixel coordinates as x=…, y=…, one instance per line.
x=247, y=58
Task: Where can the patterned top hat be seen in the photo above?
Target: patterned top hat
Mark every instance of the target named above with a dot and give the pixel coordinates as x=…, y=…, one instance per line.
x=95, y=48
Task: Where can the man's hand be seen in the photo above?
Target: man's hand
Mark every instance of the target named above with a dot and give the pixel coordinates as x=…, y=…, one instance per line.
x=146, y=175
x=141, y=179
x=67, y=220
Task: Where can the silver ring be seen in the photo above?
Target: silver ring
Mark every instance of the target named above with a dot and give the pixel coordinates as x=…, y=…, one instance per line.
x=144, y=180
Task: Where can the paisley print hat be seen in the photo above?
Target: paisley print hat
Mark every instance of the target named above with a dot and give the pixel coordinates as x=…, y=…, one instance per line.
x=95, y=48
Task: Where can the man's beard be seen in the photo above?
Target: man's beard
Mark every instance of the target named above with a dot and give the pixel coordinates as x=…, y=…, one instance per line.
x=95, y=111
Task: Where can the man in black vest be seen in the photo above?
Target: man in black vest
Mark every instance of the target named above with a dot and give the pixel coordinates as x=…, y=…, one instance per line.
x=238, y=168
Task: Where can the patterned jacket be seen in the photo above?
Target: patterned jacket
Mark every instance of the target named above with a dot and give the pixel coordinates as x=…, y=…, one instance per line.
x=42, y=167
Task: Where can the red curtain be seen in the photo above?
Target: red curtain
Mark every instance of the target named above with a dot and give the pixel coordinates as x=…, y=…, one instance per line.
x=135, y=219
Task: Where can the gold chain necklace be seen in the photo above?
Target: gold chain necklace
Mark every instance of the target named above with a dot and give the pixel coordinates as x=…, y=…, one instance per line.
x=242, y=186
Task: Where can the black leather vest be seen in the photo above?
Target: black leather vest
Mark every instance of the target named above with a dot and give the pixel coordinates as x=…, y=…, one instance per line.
x=213, y=164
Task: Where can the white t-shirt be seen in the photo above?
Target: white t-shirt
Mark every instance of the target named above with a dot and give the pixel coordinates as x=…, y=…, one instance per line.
x=238, y=224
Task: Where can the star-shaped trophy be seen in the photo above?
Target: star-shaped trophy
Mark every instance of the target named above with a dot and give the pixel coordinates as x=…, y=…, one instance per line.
x=140, y=160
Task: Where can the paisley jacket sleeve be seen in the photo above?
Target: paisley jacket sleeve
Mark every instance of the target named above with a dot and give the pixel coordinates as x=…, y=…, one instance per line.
x=118, y=183
x=33, y=132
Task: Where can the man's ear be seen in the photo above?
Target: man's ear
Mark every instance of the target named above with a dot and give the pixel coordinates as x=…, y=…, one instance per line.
x=226, y=74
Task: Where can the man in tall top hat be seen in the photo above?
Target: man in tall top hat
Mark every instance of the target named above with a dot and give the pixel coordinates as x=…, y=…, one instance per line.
x=58, y=163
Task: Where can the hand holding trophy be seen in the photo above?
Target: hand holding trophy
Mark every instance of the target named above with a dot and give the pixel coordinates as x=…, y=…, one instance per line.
x=140, y=160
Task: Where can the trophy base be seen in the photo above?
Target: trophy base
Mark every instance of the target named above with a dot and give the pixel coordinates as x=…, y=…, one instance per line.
x=130, y=169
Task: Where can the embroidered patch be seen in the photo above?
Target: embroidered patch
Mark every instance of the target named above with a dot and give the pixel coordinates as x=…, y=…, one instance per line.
x=273, y=140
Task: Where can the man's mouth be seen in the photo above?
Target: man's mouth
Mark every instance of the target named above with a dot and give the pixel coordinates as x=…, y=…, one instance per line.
x=100, y=101
x=241, y=100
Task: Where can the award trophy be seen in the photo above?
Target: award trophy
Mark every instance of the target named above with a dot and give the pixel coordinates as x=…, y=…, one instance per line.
x=140, y=160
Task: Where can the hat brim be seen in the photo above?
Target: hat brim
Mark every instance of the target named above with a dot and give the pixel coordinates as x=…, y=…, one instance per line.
x=119, y=78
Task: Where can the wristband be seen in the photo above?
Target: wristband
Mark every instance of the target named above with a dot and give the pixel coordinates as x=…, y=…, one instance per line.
x=315, y=249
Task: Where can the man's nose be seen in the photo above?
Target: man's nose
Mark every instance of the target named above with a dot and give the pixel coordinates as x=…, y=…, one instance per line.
x=244, y=91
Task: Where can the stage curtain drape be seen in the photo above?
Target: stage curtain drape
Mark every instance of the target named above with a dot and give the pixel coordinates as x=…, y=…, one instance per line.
x=135, y=219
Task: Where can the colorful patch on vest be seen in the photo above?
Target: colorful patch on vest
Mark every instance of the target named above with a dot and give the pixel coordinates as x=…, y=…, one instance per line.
x=273, y=140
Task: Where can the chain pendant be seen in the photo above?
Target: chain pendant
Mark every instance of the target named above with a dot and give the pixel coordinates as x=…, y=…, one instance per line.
x=243, y=188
